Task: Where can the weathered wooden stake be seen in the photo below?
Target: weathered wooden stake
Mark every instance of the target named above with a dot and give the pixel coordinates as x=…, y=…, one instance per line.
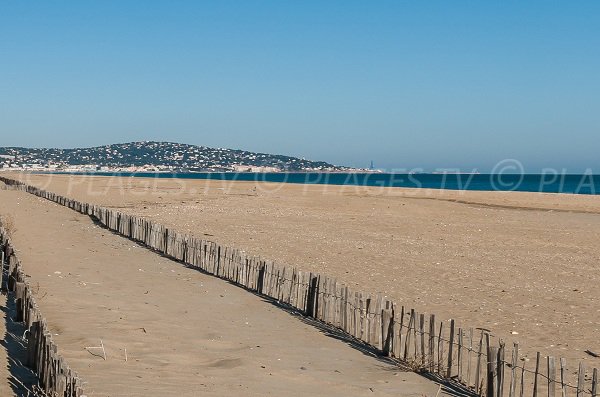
x=450, y=349
x=595, y=383
x=551, y=377
x=459, y=358
x=492, y=356
x=581, y=380
x=478, y=383
x=500, y=370
x=408, y=333
x=422, y=332
x=441, y=348
x=563, y=383
x=469, y=356
x=431, y=342
x=535, y=376
x=513, y=370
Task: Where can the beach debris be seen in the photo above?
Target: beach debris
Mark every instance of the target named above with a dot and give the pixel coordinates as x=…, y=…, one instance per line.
x=593, y=354
x=514, y=333
x=97, y=348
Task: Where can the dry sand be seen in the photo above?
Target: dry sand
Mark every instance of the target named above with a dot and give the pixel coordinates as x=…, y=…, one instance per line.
x=169, y=330
x=525, y=265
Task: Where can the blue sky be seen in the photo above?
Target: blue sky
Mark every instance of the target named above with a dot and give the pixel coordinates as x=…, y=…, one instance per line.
x=447, y=84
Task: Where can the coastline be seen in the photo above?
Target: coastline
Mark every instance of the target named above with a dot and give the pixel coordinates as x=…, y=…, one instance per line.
x=524, y=200
x=584, y=184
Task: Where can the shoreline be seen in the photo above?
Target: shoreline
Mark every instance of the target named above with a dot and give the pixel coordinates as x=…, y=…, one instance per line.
x=578, y=184
x=520, y=200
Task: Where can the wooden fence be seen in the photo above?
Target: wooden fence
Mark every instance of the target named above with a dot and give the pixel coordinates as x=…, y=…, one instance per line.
x=55, y=377
x=467, y=358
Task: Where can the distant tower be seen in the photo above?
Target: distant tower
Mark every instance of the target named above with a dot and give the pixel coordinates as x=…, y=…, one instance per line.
x=371, y=168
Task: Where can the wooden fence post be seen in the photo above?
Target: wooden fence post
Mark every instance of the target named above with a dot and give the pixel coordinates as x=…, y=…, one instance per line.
x=431, y=342
x=422, y=332
x=513, y=372
x=581, y=380
x=387, y=330
x=492, y=357
x=595, y=383
x=459, y=358
x=469, y=357
x=1, y=266
x=535, y=376
x=563, y=383
x=500, y=370
x=551, y=377
x=441, y=348
x=450, y=350
x=408, y=332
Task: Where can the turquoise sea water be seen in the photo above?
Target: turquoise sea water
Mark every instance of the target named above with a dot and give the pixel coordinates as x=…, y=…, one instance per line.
x=546, y=183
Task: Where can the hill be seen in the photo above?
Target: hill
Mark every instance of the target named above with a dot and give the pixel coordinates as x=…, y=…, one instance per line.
x=154, y=156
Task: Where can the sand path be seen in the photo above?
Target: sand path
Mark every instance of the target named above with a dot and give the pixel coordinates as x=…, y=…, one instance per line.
x=185, y=333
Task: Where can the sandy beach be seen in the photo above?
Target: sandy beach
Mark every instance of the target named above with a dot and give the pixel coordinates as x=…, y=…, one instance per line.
x=524, y=265
x=170, y=330
x=256, y=198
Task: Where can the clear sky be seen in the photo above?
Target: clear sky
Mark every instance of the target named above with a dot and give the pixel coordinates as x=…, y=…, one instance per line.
x=432, y=84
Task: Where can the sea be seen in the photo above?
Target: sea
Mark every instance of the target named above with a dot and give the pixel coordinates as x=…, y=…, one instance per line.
x=542, y=183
